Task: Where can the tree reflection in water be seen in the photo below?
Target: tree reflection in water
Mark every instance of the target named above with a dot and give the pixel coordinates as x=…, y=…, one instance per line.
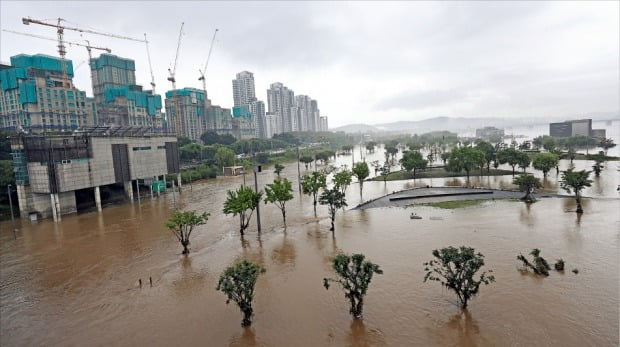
x=361, y=336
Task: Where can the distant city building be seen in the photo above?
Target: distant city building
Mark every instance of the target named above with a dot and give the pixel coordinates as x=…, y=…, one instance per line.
x=271, y=125
x=35, y=95
x=280, y=101
x=258, y=110
x=192, y=115
x=489, y=132
x=51, y=169
x=599, y=133
x=323, y=124
x=221, y=120
x=243, y=89
x=244, y=95
x=581, y=127
x=243, y=123
x=119, y=100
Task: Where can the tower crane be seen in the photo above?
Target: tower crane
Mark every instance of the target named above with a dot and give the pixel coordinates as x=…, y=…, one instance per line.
x=61, y=43
x=204, y=70
x=148, y=54
x=172, y=78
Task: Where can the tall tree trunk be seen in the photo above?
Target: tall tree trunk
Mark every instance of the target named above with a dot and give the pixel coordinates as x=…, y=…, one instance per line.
x=247, y=317
x=284, y=216
x=185, y=243
x=579, y=209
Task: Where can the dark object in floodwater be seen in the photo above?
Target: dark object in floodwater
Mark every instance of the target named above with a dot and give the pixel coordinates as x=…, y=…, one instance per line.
x=575, y=271
x=540, y=265
x=414, y=216
x=151, y=280
x=140, y=282
x=559, y=265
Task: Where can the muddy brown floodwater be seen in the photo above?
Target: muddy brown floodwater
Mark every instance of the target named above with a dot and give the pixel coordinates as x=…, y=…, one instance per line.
x=76, y=283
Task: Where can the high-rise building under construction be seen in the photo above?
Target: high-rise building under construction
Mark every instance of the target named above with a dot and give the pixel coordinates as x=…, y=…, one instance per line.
x=37, y=94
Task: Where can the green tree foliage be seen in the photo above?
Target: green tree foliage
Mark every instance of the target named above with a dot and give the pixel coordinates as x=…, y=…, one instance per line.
x=465, y=159
x=182, y=223
x=370, y=146
x=354, y=275
x=548, y=143
x=278, y=169
x=606, y=144
x=182, y=141
x=361, y=172
x=212, y=138
x=347, y=148
x=513, y=157
x=278, y=193
x=334, y=199
x=391, y=151
x=289, y=138
x=489, y=152
x=539, y=265
x=242, y=202
x=444, y=157
x=575, y=181
x=306, y=159
x=527, y=183
x=545, y=162
x=312, y=184
x=238, y=282
x=384, y=171
x=598, y=163
x=455, y=268
x=413, y=160
x=342, y=180
x=224, y=157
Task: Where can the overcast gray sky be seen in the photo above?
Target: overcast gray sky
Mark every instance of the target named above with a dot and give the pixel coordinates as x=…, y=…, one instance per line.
x=365, y=62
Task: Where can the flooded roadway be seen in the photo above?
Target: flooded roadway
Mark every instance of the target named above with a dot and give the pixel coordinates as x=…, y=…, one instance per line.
x=76, y=282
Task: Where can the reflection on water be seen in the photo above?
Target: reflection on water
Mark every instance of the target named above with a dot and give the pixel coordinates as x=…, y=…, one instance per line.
x=75, y=282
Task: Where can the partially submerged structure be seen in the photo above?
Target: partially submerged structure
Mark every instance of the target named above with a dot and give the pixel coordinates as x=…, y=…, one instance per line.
x=53, y=172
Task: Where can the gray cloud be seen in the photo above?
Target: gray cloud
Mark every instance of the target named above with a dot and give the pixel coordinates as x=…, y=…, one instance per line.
x=364, y=60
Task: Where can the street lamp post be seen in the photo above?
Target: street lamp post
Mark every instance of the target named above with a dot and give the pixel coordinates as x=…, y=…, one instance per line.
x=11, y=204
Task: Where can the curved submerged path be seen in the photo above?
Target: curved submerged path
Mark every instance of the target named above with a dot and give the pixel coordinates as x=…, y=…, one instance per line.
x=441, y=194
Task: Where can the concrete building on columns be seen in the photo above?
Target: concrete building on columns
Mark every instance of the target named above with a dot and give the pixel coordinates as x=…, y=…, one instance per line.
x=60, y=174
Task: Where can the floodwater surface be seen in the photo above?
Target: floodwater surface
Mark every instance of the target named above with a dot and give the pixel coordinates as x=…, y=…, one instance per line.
x=75, y=283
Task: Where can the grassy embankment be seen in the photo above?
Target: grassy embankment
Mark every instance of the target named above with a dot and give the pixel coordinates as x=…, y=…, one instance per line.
x=438, y=172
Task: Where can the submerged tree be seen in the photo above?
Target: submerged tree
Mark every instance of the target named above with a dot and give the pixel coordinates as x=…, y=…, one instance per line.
x=513, y=158
x=354, y=275
x=306, y=159
x=598, y=163
x=242, y=202
x=335, y=200
x=575, y=181
x=545, y=162
x=312, y=184
x=278, y=169
x=413, y=160
x=182, y=224
x=361, y=172
x=237, y=282
x=465, y=158
x=384, y=171
x=527, y=183
x=278, y=193
x=539, y=265
x=455, y=268
x=342, y=180
x=606, y=144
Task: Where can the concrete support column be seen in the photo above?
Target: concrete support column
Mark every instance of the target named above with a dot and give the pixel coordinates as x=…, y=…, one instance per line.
x=179, y=181
x=58, y=213
x=128, y=190
x=53, y=203
x=98, y=199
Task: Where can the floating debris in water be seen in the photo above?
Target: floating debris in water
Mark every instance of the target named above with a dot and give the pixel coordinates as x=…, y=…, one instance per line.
x=436, y=218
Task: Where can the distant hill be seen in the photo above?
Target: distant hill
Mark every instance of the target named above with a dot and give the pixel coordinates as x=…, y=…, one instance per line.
x=357, y=128
x=458, y=124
